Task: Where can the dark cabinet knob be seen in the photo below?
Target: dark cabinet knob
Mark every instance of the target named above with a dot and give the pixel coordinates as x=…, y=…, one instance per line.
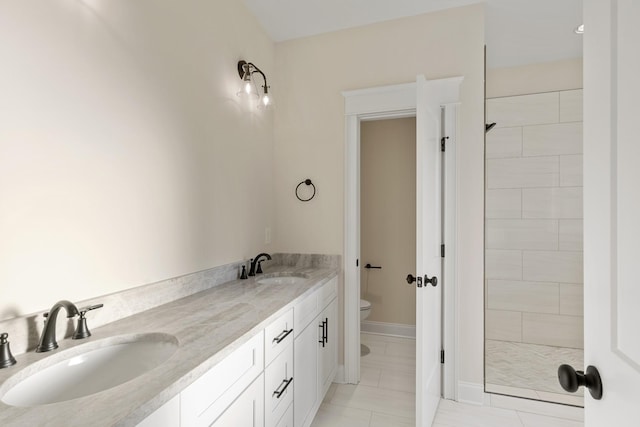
x=571, y=380
x=410, y=278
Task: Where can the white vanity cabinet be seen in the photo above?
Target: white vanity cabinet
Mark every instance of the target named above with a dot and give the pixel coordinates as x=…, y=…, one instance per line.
x=277, y=378
x=315, y=351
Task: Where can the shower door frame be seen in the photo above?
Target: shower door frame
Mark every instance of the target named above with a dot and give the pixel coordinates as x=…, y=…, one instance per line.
x=386, y=102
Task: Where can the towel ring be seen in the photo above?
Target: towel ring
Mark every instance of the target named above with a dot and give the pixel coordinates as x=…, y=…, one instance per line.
x=308, y=182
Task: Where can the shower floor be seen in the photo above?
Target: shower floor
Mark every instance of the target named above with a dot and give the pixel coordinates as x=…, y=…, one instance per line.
x=530, y=371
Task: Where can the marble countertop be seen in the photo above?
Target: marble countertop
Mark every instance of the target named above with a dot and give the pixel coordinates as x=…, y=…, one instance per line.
x=208, y=325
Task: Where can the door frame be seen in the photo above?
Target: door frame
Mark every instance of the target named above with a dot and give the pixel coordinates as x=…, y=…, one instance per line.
x=386, y=102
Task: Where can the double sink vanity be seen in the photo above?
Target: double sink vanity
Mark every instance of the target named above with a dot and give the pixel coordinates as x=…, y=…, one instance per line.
x=256, y=352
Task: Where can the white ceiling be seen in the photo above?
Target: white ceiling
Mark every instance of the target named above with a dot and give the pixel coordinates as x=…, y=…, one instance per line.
x=517, y=32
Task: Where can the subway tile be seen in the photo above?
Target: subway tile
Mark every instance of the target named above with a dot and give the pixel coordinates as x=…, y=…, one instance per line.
x=522, y=110
x=504, y=203
x=552, y=203
x=571, y=299
x=570, y=234
x=504, y=143
x=531, y=297
x=553, y=329
x=552, y=266
x=552, y=140
x=571, y=171
x=503, y=264
x=531, y=234
x=523, y=172
x=503, y=325
x=571, y=105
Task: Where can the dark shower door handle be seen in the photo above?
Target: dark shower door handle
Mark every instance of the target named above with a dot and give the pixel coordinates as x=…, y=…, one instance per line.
x=571, y=380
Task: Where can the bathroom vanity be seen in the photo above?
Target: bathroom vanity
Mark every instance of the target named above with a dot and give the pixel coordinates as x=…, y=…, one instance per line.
x=257, y=352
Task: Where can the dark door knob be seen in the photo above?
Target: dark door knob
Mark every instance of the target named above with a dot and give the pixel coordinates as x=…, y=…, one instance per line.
x=571, y=380
x=433, y=280
x=411, y=279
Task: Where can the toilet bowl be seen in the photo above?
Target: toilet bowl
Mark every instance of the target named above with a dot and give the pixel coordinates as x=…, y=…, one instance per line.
x=365, y=309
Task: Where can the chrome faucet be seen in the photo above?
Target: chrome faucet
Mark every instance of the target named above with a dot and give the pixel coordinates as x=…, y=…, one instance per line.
x=48, y=338
x=252, y=270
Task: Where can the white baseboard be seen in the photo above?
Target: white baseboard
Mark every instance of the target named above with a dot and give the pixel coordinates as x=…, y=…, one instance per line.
x=471, y=393
x=392, y=329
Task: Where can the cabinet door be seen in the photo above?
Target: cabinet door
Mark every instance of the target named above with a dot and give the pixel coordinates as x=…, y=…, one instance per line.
x=327, y=352
x=287, y=418
x=247, y=410
x=305, y=362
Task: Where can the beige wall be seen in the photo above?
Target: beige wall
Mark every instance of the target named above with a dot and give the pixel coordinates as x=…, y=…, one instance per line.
x=309, y=135
x=388, y=218
x=125, y=155
x=534, y=78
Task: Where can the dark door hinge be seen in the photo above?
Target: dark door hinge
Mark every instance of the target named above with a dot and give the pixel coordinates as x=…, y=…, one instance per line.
x=442, y=140
x=442, y=251
x=441, y=356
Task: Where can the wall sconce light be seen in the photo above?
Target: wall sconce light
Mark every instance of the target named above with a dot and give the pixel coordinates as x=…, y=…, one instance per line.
x=246, y=70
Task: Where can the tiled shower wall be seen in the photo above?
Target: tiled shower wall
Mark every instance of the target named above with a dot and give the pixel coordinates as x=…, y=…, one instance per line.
x=533, y=245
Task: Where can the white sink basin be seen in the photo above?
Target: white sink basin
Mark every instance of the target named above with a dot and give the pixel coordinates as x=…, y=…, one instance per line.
x=282, y=280
x=91, y=368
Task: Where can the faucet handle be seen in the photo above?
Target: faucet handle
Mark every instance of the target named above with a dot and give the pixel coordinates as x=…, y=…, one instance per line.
x=6, y=358
x=83, y=310
x=82, y=331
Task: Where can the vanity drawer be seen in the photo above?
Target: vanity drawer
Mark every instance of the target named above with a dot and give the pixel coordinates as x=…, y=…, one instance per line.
x=208, y=397
x=304, y=312
x=278, y=387
x=277, y=336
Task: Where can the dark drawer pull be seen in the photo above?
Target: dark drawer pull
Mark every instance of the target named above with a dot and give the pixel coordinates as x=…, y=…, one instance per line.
x=324, y=325
x=286, y=383
x=282, y=336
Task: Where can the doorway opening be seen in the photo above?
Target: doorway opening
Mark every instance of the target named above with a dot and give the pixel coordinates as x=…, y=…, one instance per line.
x=388, y=226
x=433, y=98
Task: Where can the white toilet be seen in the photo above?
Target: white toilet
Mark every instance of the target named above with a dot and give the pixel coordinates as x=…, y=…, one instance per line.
x=365, y=309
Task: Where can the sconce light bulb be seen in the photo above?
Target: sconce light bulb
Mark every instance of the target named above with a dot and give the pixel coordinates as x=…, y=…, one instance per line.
x=247, y=87
x=266, y=100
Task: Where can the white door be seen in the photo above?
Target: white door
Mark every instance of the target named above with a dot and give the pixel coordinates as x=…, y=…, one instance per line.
x=428, y=260
x=612, y=208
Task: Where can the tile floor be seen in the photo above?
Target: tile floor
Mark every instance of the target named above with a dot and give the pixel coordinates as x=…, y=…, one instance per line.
x=385, y=396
